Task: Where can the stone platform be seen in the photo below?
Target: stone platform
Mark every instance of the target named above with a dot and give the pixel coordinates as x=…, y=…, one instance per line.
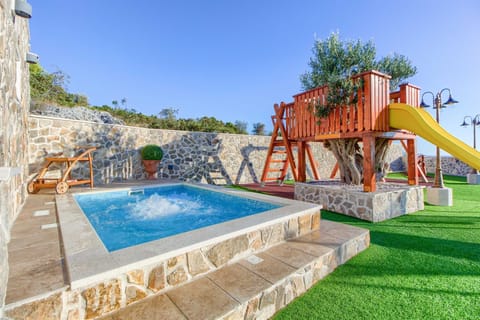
x=389, y=201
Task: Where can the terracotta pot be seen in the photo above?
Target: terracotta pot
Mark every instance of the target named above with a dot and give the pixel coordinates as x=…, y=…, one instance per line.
x=150, y=168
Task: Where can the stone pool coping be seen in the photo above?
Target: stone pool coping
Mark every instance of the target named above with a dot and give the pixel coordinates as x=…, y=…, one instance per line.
x=88, y=261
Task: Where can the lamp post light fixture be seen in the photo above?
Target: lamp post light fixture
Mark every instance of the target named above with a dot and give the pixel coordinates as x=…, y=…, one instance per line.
x=474, y=121
x=437, y=105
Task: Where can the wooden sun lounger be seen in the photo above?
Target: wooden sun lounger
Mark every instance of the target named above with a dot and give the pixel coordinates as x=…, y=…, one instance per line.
x=62, y=184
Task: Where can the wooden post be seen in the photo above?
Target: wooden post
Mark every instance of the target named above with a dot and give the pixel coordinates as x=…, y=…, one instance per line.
x=412, y=169
x=420, y=170
x=369, y=182
x=302, y=164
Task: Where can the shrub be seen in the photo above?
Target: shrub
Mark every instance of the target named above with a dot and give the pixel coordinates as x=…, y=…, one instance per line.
x=152, y=152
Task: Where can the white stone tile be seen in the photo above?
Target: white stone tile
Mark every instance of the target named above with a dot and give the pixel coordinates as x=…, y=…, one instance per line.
x=41, y=213
x=49, y=226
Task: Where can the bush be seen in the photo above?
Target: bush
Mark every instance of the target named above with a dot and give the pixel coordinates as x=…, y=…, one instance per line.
x=152, y=152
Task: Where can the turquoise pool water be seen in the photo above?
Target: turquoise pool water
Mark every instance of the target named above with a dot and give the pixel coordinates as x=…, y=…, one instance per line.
x=126, y=218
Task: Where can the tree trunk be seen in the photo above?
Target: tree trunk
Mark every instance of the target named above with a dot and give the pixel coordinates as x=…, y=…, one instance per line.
x=349, y=156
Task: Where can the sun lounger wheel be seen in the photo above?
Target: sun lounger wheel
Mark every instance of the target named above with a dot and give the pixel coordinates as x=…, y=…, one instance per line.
x=32, y=188
x=61, y=187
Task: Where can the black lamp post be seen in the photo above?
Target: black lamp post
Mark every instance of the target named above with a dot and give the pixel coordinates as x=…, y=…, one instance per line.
x=437, y=105
x=475, y=121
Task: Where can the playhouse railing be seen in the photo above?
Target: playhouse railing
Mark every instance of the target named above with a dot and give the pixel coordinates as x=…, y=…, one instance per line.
x=369, y=113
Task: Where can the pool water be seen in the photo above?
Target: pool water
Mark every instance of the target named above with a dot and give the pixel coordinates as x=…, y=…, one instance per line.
x=127, y=218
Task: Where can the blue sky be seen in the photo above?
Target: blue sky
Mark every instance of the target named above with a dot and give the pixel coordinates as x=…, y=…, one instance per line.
x=234, y=59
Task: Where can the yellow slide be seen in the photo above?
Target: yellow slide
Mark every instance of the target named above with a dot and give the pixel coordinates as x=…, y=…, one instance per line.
x=420, y=122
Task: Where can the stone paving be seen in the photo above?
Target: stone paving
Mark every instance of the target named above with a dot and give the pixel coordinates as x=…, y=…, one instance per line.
x=35, y=259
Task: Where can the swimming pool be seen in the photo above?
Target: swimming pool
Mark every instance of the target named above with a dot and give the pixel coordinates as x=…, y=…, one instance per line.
x=195, y=252
x=131, y=217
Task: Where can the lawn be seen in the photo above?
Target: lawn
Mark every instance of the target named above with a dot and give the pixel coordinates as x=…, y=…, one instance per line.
x=424, y=265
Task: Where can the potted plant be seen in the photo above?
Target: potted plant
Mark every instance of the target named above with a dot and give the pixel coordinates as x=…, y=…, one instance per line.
x=151, y=156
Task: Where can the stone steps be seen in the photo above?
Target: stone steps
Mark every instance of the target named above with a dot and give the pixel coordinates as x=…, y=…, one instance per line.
x=258, y=286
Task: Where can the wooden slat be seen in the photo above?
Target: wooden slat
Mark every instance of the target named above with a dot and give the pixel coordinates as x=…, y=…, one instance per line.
x=374, y=102
x=384, y=112
x=368, y=106
x=352, y=119
x=361, y=113
x=306, y=130
x=296, y=116
x=344, y=118
x=311, y=119
x=336, y=122
x=270, y=179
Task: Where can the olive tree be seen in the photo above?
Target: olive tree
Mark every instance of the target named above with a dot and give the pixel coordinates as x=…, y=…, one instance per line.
x=334, y=63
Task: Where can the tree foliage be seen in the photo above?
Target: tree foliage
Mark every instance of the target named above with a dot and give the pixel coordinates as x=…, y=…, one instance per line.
x=241, y=126
x=50, y=88
x=335, y=62
x=258, y=129
x=167, y=119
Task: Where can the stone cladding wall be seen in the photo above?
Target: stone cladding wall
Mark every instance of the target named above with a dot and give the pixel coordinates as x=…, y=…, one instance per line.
x=387, y=202
x=14, y=102
x=273, y=299
x=450, y=166
x=214, y=158
x=190, y=156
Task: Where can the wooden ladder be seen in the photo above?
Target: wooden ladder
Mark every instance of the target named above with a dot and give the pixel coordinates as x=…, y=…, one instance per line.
x=281, y=147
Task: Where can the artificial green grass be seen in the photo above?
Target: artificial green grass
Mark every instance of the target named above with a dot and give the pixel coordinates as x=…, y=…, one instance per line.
x=424, y=265
x=397, y=175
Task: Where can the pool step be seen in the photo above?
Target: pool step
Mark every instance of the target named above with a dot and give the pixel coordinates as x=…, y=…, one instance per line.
x=259, y=285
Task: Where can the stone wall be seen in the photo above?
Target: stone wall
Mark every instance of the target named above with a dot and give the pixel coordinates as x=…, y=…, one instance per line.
x=389, y=201
x=450, y=166
x=190, y=156
x=14, y=102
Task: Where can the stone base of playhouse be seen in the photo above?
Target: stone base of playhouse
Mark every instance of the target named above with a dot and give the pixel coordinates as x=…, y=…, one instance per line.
x=389, y=201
